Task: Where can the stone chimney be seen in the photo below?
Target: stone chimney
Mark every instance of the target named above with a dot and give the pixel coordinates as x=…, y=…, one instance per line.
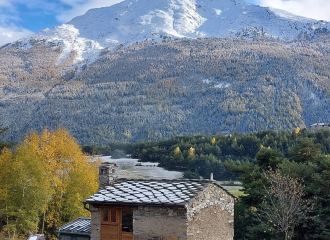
x=211, y=177
x=107, y=174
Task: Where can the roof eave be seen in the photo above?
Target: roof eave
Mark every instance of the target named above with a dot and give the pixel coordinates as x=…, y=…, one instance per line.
x=72, y=233
x=137, y=204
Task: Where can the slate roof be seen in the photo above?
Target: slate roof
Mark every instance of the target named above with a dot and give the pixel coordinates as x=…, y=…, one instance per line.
x=80, y=226
x=149, y=192
x=321, y=124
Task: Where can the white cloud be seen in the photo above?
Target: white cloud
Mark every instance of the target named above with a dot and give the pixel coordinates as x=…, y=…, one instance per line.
x=316, y=9
x=64, y=10
x=6, y=3
x=12, y=33
x=79, y=7
x=10, y=21
x=9, y=31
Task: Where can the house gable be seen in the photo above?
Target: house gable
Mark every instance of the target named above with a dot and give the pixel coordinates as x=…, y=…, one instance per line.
x=211, y=214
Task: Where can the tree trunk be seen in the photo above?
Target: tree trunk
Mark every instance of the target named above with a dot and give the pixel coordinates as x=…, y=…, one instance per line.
x=43, y=223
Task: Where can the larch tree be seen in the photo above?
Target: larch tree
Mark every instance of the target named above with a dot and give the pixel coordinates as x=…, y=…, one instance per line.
x=177, y=151
x=191, y=152
x=213, y=141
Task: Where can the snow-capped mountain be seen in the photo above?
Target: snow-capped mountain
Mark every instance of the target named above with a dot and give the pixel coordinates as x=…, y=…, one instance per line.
x=134, y=21
x=209, y=85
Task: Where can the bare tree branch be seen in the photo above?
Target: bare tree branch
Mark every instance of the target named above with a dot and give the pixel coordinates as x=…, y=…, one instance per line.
x=283, y=205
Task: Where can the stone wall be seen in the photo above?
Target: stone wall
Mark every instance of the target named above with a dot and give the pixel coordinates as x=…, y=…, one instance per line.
x=95, y=223
x=211, y=215
x=168, y=223
x=107, y=174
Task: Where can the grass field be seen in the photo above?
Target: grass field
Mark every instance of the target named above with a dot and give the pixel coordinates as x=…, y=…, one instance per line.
x=235, y=190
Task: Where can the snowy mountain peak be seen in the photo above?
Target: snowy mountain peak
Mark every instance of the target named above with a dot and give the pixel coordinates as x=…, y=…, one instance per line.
x=134, y=21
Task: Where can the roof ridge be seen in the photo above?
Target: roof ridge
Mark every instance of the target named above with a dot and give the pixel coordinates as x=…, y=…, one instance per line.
x=166, y=180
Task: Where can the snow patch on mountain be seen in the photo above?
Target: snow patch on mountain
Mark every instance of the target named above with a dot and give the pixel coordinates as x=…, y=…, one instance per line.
x=206, y=81
x=134, y=21
x=67, y=36
x=222, y=85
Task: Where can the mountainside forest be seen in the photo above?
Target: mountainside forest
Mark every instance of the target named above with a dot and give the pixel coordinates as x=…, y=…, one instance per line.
x=154, y=91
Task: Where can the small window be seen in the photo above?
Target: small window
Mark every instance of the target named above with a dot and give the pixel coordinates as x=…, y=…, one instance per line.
x=127, y=220
x=103, y=171
x=113, y=215
x=105, y=215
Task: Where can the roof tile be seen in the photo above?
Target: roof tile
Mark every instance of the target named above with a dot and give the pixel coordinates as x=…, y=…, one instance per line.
x=151, y=192
x=81, y=225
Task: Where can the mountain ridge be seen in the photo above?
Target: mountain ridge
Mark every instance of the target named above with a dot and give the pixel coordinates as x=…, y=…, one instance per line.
x=130, y=22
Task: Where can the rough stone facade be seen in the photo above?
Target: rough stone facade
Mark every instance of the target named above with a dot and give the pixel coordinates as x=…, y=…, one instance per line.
x=167, y=223
x=95, y=223
x=210, y=215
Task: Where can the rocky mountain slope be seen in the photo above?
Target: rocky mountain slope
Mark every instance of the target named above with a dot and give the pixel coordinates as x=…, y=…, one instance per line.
x=141, y=71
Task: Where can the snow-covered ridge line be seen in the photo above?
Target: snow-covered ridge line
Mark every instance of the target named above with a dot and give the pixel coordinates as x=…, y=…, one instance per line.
x=131, y=21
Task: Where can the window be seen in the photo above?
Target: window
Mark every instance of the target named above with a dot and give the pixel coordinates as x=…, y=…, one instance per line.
x=103, y=171
x=105, y=215
x=109, y=215
x=113, y=215
x=127, y=220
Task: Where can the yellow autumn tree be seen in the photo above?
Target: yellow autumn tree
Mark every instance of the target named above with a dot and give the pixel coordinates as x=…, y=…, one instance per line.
x=73, y=177
x=23, y=190
x=177, y=151
x=191, y=152
x=213, y=141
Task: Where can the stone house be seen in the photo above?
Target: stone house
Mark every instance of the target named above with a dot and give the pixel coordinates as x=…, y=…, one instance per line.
x=319, y=126
x=126, y=209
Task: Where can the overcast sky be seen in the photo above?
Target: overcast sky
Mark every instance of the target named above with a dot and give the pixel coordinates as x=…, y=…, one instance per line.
x=20, y=18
